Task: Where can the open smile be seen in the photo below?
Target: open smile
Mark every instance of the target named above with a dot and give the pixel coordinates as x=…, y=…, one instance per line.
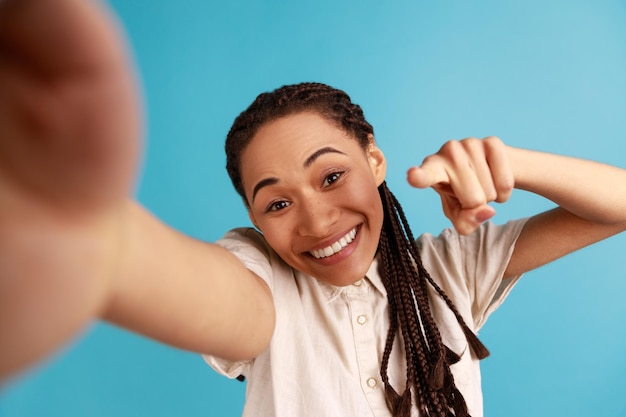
x=336, y=247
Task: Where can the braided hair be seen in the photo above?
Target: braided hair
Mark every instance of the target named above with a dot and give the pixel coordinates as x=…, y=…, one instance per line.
x=428, y=373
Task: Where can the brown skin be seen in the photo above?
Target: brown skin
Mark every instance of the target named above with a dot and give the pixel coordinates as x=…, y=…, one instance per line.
x=312, y=206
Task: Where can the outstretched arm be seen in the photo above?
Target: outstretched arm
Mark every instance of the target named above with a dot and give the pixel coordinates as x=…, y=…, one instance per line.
x=73, y=246
x=187, y=293
x=468, y=174
x=591, y=199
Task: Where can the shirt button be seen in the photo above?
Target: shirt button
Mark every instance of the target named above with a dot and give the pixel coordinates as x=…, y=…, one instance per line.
x=371, y=382
x=358, y=283
x=362, y=319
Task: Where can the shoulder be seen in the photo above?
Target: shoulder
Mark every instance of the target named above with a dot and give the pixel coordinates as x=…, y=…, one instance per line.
x=242, y=238
x=489, y=234
x=470, y=269
x=251, y=248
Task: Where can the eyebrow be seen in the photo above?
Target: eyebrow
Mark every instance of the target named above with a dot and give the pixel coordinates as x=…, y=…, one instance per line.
x=263, y=183
x=307, y=163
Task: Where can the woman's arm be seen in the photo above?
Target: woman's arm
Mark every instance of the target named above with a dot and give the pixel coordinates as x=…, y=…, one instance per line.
x=187, y=293
x=468, y=174
x=73, y=247
x=592, y=206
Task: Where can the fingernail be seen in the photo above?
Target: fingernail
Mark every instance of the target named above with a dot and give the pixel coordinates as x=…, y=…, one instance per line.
x=483, y=216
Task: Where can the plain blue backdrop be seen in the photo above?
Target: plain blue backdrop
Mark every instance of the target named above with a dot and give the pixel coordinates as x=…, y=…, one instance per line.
x=547, y=75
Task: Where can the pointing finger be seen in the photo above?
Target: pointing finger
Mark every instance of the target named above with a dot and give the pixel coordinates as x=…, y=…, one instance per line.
x=427, y=175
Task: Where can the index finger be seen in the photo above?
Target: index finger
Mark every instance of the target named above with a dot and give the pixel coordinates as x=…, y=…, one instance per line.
x=430, y=173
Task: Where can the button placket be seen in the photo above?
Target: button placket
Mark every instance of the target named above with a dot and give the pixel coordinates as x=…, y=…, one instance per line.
x=360, y=305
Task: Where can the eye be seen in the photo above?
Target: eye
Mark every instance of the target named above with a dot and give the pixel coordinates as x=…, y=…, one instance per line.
x=331, y=178
x=277, y=205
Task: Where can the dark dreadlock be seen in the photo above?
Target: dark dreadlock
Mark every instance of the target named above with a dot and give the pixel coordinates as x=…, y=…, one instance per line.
x=428, y=359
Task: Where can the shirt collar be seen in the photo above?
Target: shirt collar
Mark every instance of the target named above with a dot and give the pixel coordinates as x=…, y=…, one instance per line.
x=372, y=277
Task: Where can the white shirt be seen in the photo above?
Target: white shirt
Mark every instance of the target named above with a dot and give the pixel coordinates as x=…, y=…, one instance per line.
x=325, y=354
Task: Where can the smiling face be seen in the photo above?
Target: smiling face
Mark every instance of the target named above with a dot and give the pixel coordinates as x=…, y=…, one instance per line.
x=312, y=192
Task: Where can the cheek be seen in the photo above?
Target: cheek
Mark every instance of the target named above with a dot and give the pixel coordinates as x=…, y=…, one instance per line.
x=270, y=231
x=277, y=234
x=363, y=197
x=364, y=194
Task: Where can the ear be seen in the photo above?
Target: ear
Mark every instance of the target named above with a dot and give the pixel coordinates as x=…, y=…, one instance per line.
x=377, y=161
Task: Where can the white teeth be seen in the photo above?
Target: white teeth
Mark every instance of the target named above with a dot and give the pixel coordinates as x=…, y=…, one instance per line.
x=335, y=247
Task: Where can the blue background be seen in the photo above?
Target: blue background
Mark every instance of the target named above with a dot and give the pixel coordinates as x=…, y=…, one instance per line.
x=548, y=75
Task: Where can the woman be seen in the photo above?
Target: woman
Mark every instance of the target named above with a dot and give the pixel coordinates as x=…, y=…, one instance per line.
x=74, y=246
x=305, y=162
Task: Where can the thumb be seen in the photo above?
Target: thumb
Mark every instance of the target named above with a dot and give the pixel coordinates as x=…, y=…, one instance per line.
x=465, y=221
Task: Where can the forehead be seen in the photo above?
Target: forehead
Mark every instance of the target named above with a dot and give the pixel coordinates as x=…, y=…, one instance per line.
x=296, y=135
x=307, y=125
x=285, y=144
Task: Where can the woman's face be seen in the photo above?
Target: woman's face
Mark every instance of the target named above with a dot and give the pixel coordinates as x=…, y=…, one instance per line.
x=312, y=192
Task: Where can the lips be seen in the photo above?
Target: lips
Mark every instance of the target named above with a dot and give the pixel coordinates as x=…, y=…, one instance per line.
x=336, y=247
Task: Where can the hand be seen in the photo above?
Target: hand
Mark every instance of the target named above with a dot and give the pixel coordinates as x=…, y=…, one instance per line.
x=467, y=175
x=69, y=118
x=69, y=143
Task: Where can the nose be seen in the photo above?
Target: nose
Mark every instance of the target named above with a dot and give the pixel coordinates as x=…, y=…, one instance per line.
x=316, y=218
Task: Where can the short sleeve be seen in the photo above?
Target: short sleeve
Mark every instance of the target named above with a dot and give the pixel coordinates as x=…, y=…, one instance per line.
x=470, y=268
x=250, y=248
